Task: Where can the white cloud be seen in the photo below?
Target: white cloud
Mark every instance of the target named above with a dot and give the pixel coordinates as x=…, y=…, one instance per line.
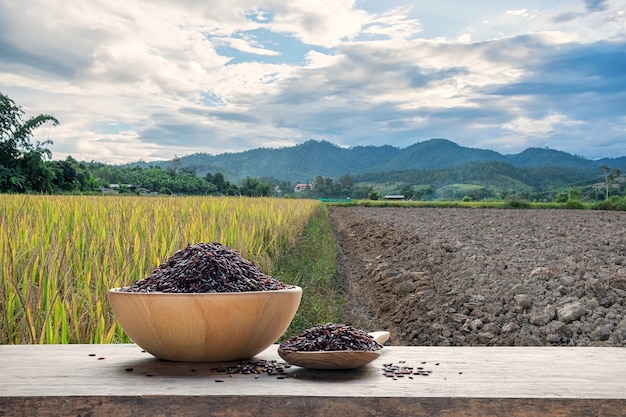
x=325, y=23
x=394, y=24
x=245, y=46
x=138, y=79
x=315, y=59
x=539, y=127
x=465, y=38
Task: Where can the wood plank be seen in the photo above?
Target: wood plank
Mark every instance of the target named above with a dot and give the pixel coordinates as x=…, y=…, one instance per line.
x=464, y=381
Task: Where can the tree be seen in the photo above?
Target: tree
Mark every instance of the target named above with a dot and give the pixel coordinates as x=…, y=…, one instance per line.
x=609, y=177
x=346, y=182
x=176, y=163
x=407, y=192
x=360, y=191
x=252, y=187
x=374, y=195
x=70, y=175
x=323, y=187
x=220, y=183
x=22, y=165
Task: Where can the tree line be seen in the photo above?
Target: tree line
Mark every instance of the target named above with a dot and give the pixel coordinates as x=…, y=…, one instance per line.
x=26, y=167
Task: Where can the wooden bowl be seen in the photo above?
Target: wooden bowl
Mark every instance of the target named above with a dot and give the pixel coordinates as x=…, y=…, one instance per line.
x=205, y=327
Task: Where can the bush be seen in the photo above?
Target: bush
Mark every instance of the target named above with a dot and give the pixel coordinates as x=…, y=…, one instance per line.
x=574, y=204
x=374, y=195
x=613, y=203
x=518, y=204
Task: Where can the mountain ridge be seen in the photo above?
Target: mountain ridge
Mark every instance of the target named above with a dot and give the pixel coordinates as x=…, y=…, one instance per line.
x=305, y=161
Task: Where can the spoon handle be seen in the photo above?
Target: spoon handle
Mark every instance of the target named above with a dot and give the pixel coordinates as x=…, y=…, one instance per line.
x=381, y=337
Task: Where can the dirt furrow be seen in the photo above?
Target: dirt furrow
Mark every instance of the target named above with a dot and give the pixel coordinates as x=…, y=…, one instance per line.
x=453, y=277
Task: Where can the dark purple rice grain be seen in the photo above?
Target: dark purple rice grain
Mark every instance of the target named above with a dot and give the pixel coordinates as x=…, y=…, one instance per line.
x=331, y=337
x=206, y=268
x=268, y=367
x=391, y=370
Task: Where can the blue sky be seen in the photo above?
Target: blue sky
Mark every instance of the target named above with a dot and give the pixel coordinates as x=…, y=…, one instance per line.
x=155, y=79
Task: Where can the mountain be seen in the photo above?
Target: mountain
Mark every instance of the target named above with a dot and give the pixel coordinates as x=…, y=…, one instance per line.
x=542, y=157
x=305, y=161
x=612, y=163
x=438, y=153
x=299, y=163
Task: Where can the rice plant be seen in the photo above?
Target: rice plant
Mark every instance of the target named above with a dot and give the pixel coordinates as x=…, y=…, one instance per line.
x=61, y=254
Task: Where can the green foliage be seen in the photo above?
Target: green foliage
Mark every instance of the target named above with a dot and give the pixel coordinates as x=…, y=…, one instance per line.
x=252, y=187
x=312, y=264
x=492, y=173
x=407, y=192
x=574, y=205
x=462, y=191
x=446, y=171
x=345, y=183
x=609, y=178
x=535, y=168
x=455, y=203
x=156, y=179
x=541, y=157
x=22, y=162
x=24, y=168
x=437, y=153
x=517, y=204
x=71, y=175
x=360, y=191
x=613, y=203
x=561, y=197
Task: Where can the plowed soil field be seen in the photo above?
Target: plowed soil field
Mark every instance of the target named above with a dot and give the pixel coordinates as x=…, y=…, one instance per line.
x=463, y=277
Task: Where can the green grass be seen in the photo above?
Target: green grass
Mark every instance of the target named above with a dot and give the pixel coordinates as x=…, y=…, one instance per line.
x=616, y=204
x=312, y=265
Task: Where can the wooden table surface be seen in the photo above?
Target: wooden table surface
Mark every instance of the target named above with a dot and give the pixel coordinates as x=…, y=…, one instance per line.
x=92, y=380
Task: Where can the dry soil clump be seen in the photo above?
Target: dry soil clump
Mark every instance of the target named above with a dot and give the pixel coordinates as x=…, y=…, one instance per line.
x=463, y=277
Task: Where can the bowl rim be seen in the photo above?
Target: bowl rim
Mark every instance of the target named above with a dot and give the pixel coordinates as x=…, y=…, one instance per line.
x=290, y=288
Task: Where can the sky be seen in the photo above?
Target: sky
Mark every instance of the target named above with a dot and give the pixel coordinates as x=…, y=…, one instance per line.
x=149, y=80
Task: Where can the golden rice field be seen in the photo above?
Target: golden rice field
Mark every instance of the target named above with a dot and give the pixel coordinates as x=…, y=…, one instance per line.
x=61, y=254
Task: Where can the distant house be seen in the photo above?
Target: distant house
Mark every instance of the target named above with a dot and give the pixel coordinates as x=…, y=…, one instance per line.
x=107, y=190
x=394, y=197
x=300, y=187
x=115, y=189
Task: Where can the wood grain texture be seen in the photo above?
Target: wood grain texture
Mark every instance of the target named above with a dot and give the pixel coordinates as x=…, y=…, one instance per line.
x=64, y=380
x=338, y=359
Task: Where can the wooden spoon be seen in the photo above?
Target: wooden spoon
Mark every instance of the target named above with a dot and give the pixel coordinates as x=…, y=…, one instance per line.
x=335, y=359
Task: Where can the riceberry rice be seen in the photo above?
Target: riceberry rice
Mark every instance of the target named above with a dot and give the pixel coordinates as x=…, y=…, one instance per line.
x=331, y=337
x=206, y=268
